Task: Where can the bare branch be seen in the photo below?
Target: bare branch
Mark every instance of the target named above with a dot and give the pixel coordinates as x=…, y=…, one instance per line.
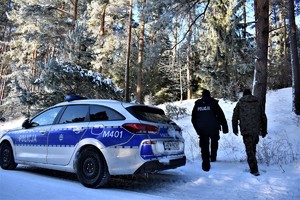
x=72, y=2
x=271, y=30
x=61, y=10
x=45, y=9
x=194, y=21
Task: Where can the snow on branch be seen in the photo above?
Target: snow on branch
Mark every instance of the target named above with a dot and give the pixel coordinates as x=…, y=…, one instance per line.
x=95, y=77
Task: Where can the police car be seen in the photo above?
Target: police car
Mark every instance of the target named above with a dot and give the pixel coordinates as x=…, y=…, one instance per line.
x=96, y=139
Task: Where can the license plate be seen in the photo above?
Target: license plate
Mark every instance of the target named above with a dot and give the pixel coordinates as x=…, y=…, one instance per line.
x=171, y=145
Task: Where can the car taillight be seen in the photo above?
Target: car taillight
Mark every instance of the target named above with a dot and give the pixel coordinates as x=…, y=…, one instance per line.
x=140, y=128
x=149, y=142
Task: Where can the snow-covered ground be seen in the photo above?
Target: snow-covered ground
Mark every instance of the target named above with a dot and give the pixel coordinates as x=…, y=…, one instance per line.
x=229, y=177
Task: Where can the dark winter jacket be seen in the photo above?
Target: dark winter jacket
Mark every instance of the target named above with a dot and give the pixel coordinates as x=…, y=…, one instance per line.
x=249, y=115
x=208, y=117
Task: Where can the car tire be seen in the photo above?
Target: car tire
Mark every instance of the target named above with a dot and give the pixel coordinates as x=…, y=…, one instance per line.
x=7, y=160
x=91, y=168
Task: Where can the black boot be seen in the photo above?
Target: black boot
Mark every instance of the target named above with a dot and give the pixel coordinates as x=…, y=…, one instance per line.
x=213, y=158
x=206, y=166
x=255, y=173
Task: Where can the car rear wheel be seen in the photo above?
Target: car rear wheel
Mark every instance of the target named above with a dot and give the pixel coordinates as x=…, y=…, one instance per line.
x=91, y=169
x=7, y=160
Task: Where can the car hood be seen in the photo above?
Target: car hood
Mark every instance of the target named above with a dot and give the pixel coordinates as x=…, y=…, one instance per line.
x=10, y=130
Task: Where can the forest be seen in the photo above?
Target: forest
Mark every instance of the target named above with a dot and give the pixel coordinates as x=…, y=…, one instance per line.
x=145, y=50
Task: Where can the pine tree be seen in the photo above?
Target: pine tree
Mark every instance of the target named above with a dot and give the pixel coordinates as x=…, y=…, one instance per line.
x=225, y=56
x=279, y=68
x=79, y=45
x=261, y=8
x=294, y=58
x=108, y=21
x=44, y=33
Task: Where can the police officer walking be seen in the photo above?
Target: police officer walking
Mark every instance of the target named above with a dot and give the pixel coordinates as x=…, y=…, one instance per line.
x=207, y=119
x=251, y=118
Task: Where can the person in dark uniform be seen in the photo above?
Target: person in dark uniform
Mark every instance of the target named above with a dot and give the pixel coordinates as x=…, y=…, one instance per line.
x=251, y=118
x=207, y=119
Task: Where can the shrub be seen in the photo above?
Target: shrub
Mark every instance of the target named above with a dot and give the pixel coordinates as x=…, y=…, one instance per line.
x=175, y=112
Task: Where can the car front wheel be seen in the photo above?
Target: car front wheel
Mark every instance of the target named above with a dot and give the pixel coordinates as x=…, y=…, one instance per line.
x=91, y=169
x=7, y=160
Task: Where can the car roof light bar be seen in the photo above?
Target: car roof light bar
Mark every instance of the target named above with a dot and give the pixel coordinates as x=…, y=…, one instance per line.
x=72, y=97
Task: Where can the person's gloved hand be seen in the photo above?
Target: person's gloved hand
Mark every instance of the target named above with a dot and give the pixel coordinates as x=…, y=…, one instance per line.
x=225, y=130
x=263, y=134
x=235, y=131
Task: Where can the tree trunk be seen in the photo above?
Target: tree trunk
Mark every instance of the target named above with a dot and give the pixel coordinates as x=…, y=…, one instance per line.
x=4, y=66
x=294, y=58
x=261, y=8
x=140, y=57
x=188, y=75
x=284, y=68
x=8, y=5
x=174, y=54
x=245, y=20
x=269, y=40
x=74, y=17
x=175, y=42
x=33, y=68
x=52, y=52
x=181, y=84
x=102, y=20
x=3, y=86
x=1, y=70
x=128, y=53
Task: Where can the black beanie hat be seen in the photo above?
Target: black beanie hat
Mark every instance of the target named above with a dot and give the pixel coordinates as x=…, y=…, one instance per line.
x=247, y=92
x=205, y=93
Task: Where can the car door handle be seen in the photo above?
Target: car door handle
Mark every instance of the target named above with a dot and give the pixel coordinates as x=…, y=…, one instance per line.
x=43, y=132
x=78, y=130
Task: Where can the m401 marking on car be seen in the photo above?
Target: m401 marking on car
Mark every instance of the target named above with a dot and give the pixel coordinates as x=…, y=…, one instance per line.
x=113, y=134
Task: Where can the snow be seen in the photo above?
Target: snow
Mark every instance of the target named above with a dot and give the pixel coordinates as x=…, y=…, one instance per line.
x=229, y=177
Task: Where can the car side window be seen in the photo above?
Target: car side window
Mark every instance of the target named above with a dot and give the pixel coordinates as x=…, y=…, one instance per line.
x=102, y=113
x=73, y=114
x=45, y=118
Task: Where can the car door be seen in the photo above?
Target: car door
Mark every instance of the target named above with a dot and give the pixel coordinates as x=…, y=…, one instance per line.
x=65, y=135
x=31, y=143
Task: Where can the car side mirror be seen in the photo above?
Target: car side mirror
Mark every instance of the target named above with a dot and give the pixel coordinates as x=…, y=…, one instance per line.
x=26, y=124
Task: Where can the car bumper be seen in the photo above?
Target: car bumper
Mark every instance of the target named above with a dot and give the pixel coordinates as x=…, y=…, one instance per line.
x=159, y=165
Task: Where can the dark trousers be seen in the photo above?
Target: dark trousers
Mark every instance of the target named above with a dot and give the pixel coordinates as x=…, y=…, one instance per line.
x=250, y=145
x=205, y=142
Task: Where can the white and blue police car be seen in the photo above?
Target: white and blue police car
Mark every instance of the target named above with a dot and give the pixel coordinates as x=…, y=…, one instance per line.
x=96, y=139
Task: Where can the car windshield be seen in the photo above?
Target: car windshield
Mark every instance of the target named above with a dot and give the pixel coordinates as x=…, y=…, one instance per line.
x=147, y=113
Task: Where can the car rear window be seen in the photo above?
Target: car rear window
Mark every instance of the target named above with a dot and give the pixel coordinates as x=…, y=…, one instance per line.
x=147, y=113
x=102, y=113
